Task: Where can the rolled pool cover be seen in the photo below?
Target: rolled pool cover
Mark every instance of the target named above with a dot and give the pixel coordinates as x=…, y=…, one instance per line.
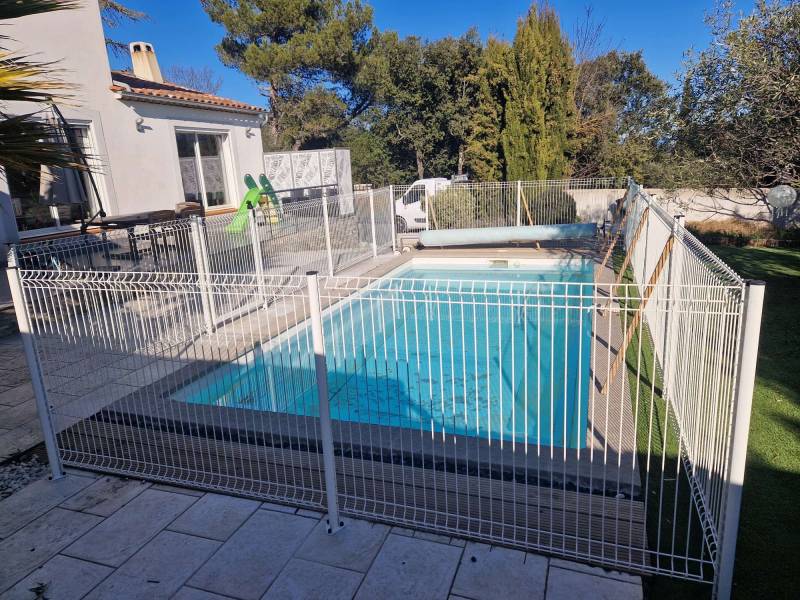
x=506, y=235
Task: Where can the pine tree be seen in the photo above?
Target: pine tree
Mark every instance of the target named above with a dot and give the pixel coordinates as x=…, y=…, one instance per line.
x=313, y=59
x=540, y=111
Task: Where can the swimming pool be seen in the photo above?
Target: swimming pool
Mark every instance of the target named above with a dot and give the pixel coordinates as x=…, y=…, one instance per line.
x=493, y=350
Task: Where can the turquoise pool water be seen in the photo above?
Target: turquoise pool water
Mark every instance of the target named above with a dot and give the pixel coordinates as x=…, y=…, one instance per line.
x=499, y=353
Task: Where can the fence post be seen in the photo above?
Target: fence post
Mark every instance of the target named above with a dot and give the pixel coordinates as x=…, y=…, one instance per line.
x=427, y=207
x=673, y=286
x=325, y=425
x=372, y=223
x=201, y=264
x=394, y=219
x=24, y=324
x=519, y=203
x=327, y=224
x=740, y=424
x=255, y=242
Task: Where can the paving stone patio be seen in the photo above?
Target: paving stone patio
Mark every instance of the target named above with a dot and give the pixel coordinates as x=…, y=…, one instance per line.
x=102, y=537
x=19, y=423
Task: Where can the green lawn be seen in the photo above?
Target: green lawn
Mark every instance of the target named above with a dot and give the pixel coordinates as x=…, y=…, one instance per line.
x=768, y=552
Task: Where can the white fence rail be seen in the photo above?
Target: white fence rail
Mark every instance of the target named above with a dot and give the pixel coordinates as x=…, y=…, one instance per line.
x=599, y=421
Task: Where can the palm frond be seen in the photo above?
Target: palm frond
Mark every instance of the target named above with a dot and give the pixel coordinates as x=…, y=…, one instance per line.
x=25, y=81
x=28, y=141
x=14, y=9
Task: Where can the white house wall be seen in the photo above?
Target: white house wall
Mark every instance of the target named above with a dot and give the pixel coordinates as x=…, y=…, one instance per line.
x=155, y=182
x=140, y=170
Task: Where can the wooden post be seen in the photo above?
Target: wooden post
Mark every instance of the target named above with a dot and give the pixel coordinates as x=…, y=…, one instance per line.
x=525, y=204
x=630, y=249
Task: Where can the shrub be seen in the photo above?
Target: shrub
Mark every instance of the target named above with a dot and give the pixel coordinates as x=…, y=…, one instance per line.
x=454, y=208
x=550, y=207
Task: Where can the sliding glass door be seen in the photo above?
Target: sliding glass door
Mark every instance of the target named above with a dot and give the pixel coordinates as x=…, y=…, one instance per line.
x=202, y=165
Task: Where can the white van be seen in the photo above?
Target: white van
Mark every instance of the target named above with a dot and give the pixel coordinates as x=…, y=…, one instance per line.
x=411, y=209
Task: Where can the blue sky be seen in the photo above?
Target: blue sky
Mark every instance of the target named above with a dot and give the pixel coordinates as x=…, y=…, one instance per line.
x=663, y=30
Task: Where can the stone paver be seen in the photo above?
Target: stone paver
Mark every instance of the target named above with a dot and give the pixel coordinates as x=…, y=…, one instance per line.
x=61, y=578
x=563, y=584
x=352, y=547
x=123, y=533
x=599, y=571
x=13, y=416
x=19, y=422
x=158, y=570
x=187, y=593
x=37, y=542
x=246, y=565
x=34, y=500
x=269, y=555
x=177, y=490
x=278, y=507
x=411, y=568
x=106, y=495
x=215, y=516
x=488, y=573
x=14, y=396
x=304, y=580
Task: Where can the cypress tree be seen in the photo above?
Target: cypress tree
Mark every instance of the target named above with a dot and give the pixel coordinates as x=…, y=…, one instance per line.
x=540, y=116
x=484, y=150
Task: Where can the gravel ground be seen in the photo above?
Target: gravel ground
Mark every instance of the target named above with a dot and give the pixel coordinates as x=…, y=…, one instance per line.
x=20, y=471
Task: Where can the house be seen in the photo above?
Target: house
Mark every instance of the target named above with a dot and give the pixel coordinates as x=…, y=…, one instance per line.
x=154, y=144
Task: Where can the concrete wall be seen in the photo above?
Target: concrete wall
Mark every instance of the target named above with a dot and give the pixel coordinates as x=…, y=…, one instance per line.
x=702, y=205
x=140, y=169
x=696, y=205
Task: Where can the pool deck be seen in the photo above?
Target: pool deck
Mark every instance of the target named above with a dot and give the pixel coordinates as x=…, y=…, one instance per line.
x=101, y=537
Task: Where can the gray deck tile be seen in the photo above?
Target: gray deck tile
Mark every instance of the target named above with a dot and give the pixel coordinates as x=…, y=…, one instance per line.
x=599, y=571
x=278, y=507
x=410, y=568
x=215, y=516
x=106, y=495
x=165, y=487
x=564, y=584
x=311, y=514
x=246, y=565
x=488, y=572
x=118, y=537
x=188, y=593
x=61, y=578
x=432, y=537
x=37, y=542
x=35, y=499
x=304, y=580
x=352, y=547
x=158, y=570
x=17, y=395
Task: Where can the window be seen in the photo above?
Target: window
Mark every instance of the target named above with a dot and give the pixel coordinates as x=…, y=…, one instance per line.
x=415, y=194
x=202, y=164
x=53, y=197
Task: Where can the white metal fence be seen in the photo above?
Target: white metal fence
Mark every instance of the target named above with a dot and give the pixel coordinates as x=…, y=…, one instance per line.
x=602, y=421
x=507, y=203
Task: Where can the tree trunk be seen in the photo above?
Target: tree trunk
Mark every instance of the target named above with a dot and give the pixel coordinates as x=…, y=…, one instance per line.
x=420, y=166
x=273, y=114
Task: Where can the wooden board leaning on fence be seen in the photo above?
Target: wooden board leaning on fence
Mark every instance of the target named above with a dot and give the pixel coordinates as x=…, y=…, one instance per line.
x=637, y=318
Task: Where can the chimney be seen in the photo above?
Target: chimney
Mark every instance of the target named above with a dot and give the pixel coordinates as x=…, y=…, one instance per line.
x=145, y=64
